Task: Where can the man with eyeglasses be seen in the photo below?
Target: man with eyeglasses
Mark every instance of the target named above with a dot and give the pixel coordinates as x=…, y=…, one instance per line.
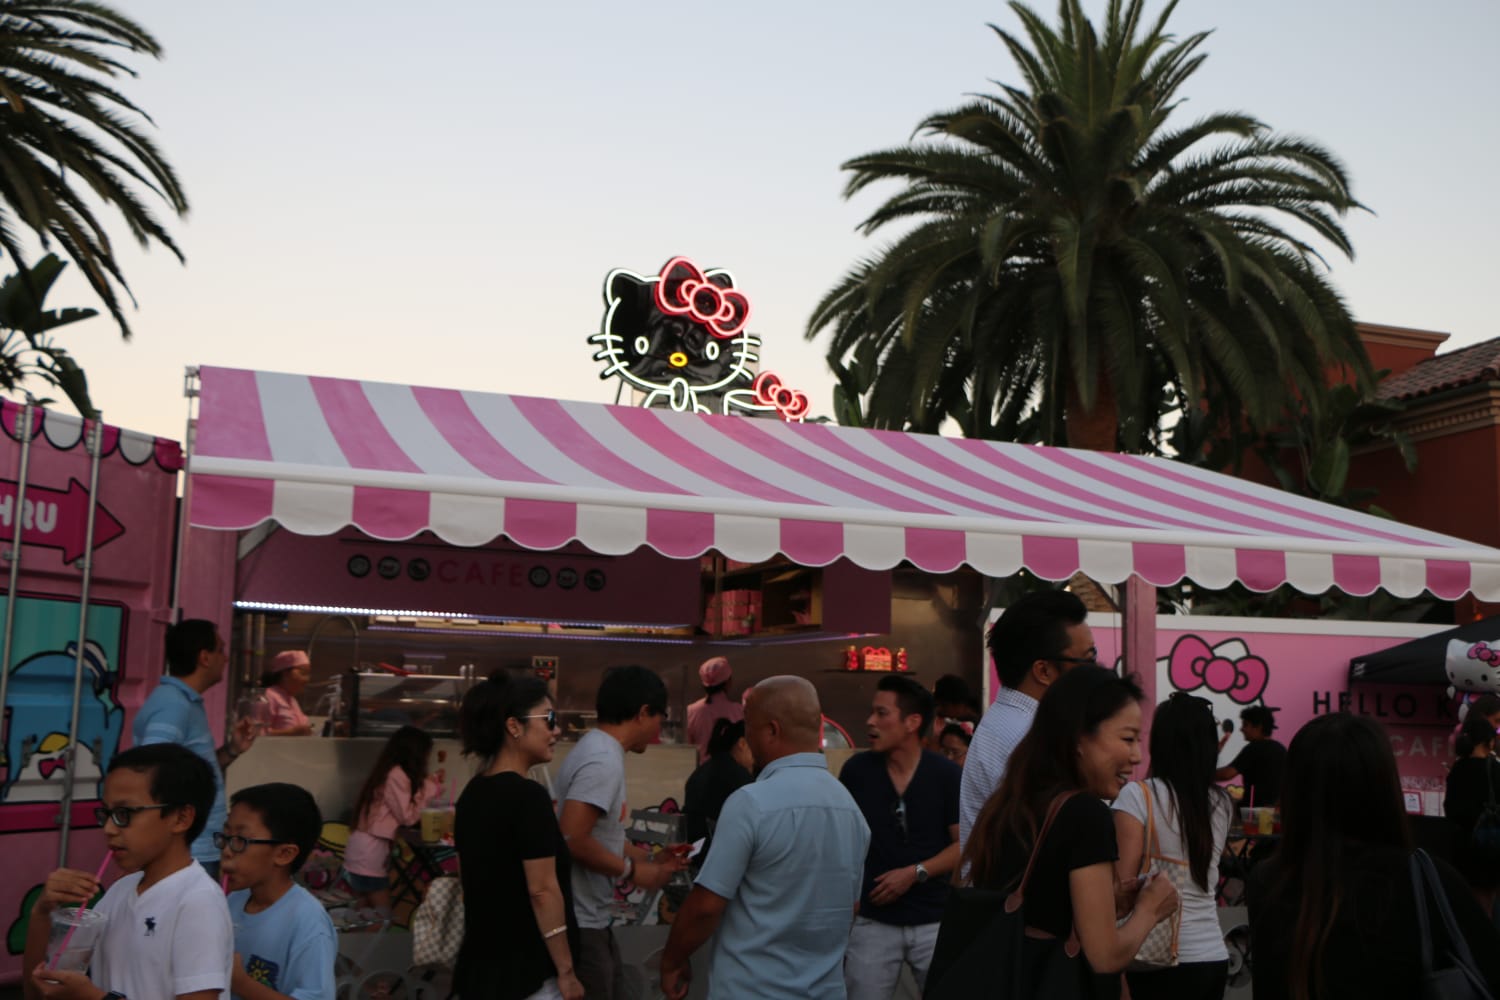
x=1038, y=639
x=909, y=797
x=174, y=713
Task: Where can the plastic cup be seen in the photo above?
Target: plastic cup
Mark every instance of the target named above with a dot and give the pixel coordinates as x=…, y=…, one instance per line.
x=1249, y=821
x=436, y=824
x=1265, y=820
x=75, y=932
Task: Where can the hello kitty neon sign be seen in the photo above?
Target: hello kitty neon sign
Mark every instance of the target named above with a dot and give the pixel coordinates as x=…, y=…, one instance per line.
x=680, y=337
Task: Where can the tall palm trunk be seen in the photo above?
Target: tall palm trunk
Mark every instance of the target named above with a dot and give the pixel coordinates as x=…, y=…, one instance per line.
x=1097, y=429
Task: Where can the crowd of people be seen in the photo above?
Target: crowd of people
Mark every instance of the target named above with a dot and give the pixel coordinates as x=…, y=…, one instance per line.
x=954, y=829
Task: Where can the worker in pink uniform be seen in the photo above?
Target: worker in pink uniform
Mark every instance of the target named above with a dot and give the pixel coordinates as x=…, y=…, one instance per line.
x=285, y=681
x=715, y=704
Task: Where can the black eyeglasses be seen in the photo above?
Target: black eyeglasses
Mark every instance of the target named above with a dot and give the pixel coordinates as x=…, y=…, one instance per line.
x=239, y=845
x=122, y=815
x=900, y=812
x=550, y=716
x=1090, y=660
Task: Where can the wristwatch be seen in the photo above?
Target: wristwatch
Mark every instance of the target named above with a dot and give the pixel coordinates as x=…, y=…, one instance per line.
x=922, y=873
x=115, y=995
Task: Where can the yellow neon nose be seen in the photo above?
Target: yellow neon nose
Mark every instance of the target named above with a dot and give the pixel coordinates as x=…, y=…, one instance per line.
x=678, y=359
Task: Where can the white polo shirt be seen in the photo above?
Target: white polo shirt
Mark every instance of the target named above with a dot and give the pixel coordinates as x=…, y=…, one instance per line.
x=172, y=939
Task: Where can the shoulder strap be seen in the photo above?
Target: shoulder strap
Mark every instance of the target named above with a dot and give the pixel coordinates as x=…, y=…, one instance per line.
x=1458, y=945
x=1147, y=849
x=1489, y=780
x=1424, y=929
x=1013, y=901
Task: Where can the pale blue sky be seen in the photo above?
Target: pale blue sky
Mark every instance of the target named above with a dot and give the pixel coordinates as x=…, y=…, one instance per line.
x=435, y=197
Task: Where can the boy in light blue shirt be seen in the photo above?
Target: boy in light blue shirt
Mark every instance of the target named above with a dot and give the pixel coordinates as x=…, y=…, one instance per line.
x=284, y=942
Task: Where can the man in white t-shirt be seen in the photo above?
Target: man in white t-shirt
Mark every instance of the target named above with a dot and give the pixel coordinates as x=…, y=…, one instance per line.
x=167, y=933
x=592, y=813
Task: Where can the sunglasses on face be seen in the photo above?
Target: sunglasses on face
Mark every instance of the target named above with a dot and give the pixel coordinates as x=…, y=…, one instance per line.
x=121, y=816
x=238, y=844
x=550, y=716
x=1078, y=661
x=900, y=812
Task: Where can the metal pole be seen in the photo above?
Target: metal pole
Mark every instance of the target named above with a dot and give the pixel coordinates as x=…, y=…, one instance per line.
x=190, y=390
x=18, y=520
x=96, y=446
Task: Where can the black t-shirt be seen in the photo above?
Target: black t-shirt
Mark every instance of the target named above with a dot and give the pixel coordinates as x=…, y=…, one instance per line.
x=714, y=781
x=1373, y=950
x=1082, y=835
x=929, y=808
x=500, y=821
x=1467, y=793
x=1262, y=763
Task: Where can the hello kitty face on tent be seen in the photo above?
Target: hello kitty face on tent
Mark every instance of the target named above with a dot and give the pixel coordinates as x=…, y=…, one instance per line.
x=1228, y=676
x=681, y=337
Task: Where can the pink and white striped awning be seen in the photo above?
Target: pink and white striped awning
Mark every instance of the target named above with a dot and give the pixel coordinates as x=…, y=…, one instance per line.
x=318, y=454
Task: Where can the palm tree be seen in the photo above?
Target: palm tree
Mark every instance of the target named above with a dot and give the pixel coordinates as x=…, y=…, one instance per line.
x=1071, y=268
x=71, y=144
x=27, y=348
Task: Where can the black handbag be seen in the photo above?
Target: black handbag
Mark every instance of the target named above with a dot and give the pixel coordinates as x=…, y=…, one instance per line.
x=1459, y=979
x=983, y=949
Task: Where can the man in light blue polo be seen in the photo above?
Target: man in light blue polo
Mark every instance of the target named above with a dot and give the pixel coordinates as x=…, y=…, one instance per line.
x=174, y=713
x=782, y=882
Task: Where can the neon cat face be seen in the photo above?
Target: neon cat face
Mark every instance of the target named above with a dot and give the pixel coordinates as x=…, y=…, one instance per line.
x=677, y=334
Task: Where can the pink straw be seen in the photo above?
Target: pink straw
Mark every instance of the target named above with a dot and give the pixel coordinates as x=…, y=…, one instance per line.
x=98, y=876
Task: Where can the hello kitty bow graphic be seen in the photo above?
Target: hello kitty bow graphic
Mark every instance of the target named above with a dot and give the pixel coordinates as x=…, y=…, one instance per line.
x=1473, y=668
x=680, y=338
x=1193, y=664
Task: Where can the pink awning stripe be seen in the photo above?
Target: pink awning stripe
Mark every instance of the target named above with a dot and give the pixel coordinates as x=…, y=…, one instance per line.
x=231, y=502
x=1159, y=564
x=541, y=524
x=1053, y=558
x=238, y=427
x=562, y=431
x=812, y=543
x=391, y=514
x=317, y=454
x=357, y=428
x=681, y=534
x=451, y=416
x=653, y=432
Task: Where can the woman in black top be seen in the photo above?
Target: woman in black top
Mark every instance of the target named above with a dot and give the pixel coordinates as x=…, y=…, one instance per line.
x=1473, y=783
x=1332, y=913
x=1085, y=739
x=725, y=771
x=519, y=928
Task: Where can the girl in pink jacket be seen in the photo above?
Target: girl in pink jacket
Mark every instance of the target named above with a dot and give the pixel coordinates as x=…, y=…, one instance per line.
x=386, y=802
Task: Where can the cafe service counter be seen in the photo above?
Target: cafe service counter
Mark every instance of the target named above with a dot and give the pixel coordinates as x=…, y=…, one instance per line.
x=334, y=769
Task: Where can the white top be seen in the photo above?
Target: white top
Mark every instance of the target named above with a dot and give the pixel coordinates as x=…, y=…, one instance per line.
x=172, y=939
x=995, y=739
x=1200, y=939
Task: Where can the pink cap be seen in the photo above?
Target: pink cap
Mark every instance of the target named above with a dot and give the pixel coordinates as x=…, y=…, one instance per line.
x=715, y=672
x=289, y=659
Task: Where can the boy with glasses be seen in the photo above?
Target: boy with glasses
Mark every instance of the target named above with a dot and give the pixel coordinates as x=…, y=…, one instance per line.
x=284, y=942
x=167, y=932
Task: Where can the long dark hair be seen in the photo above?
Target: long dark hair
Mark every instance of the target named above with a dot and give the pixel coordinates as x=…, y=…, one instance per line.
x=1184, y=755
x=407, y=749
x=1045, y=763
x=1342, y=786
x=1476, y=732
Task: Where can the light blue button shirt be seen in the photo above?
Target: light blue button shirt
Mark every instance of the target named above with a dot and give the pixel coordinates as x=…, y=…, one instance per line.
x=173, y=713
x=789, y=852
x=995, y=739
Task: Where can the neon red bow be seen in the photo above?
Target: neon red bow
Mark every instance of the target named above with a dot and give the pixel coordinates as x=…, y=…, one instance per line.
x=681, y=290
x=1195, y=665
x=792, y=404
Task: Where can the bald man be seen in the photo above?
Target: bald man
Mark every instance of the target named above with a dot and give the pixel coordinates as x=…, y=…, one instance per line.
x=784, y=876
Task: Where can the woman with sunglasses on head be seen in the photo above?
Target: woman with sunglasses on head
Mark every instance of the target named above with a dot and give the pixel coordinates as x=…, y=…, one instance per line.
x=1077, y=756
x=1179, y=816
x=1333, y=912
x=519, y=930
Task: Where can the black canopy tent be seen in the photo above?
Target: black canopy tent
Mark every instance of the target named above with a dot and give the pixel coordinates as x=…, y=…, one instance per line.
x=1422, y=661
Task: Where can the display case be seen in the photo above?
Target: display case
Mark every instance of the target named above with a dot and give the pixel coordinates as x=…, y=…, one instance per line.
x=379, y=703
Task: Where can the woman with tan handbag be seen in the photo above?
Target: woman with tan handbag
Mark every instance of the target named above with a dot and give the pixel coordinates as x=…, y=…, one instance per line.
x=1175, y=823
